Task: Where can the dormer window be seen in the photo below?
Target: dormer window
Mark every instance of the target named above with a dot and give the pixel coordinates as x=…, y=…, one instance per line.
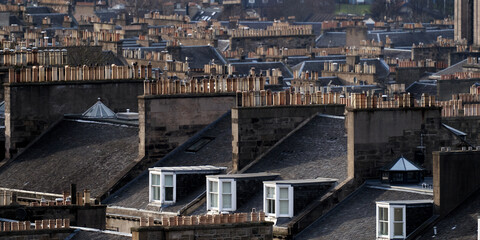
x=221, y=194
x=284, y=198
x=392, y=217
x=278, y=200
x=162, y=187
x=391, y=221
x=167, y=184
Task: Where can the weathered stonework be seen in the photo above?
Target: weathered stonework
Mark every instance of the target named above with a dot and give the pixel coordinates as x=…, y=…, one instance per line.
x=167, y=121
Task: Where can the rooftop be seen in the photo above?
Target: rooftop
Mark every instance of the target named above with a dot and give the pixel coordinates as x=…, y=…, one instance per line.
x=355, y=216
x=318, y=149
x=218, y=153
x=89, y=154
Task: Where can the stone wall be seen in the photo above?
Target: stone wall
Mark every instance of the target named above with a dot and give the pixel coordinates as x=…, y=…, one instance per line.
x=250, y=44
x=379, y=136
x=30, y=108
x=82, y=216
x=355, y=35
x=37, y=234
x=167, y=121
x=468, y=125
x=257, y=129
x=456, y=175
x=248, y=230
x=436, y=53
x=445, y=88
x=348, y=78
x=409, y=75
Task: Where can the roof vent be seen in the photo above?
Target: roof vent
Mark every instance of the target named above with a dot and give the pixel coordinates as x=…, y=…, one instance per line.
x=99, y=110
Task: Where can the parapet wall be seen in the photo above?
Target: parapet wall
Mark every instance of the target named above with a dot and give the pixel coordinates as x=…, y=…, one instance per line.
x=456, y=175
x=257, y=129
x=221, y=227
x=167, y=121
x=30, y=108
x=82, y=216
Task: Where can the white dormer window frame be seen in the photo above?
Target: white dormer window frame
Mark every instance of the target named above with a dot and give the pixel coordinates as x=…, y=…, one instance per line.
x=279, y=199
x=220, y=195
x=396, y=215
x=163, y=188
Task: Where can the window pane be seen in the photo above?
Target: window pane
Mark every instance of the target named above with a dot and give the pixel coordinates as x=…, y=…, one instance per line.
x=213, y=200
x=383, y=228
x=168, y=180
x=227, y=187
x=213, y=186
x=270, y=192
x=398, y=229
x=168, y=193
x=156, y=193
x=398, y=214
x=283, y=206
x=283, y=193
x=383, y=214
x=227, y=200
x=155, y=179
x=270, y=206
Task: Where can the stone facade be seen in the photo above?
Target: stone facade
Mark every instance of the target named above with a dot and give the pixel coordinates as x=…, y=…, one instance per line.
x=374, y=142
x=455, y=178
x=167, y=121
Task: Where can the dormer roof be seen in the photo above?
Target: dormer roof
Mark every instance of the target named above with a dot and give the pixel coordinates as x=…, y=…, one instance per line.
x=402, y=165
x=99, y=110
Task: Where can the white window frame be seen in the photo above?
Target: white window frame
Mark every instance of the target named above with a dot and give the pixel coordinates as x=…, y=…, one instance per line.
x=220, y=194
x=391, y=221
x=162, y=187
x=277, y=200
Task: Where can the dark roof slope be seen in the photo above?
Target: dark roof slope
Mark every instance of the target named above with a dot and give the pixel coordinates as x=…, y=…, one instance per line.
x=460, y=224
x=198, y=56
x=318, y=149
x=218, y=152
x=418, y=88
x=354, y=218
x=88, y=154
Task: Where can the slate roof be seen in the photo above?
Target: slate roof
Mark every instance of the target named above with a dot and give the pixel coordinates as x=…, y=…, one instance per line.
x=56, y=18
x=458, y=67
x=199, y=56
x=243, y=68
x=460, y=224
x=355, y=217
x=318, y=149
x=397, y=53
x=418, y=88
x=407, y=39
x=88, y=154
x=217, y=153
